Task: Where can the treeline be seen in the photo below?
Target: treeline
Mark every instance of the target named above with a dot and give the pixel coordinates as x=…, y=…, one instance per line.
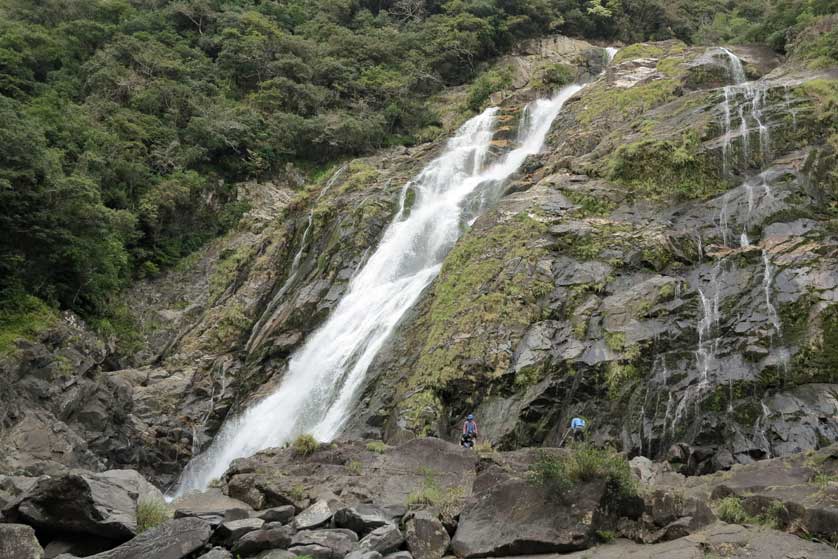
x=125, y=124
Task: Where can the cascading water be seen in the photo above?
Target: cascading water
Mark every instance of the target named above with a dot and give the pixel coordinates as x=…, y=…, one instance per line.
x=324, y=376
x=753, y=98
x=610, y=53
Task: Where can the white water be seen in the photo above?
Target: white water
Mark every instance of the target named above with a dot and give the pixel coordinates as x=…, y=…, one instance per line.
x=753, y=98
x=325, y=375
x=610, y=53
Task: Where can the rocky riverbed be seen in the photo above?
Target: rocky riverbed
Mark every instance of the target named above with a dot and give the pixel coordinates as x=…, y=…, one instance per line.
x=428, y=499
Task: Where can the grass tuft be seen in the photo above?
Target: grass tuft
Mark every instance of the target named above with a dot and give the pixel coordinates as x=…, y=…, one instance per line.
x=151, y=513
x=305, y=445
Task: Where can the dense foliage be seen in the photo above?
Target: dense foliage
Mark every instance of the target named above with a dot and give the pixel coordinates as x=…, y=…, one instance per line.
x=126, y=123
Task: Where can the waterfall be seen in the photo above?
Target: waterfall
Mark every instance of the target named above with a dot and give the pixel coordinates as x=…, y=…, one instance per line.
x=752, y=100
x=324, y=376
x=610, y=53
x=767, y=280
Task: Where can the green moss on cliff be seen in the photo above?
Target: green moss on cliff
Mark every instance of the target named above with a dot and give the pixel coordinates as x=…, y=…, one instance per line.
x=24, y=318
x=487, y=293
x=638, y=50
x=818, y=361
x=666, y=169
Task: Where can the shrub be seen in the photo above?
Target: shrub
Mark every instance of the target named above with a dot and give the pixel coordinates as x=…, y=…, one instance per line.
x=376, y=446
x=305, y=445
x=606, y=536
x=730, y=510
x=151, y=513
x=558, y=474
x=355, y=467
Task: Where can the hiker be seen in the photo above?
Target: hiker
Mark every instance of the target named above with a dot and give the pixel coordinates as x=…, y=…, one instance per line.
x=577, y=427
x=469, y=432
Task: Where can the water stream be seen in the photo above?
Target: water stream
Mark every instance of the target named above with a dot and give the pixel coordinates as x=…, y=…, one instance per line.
x=326, y=374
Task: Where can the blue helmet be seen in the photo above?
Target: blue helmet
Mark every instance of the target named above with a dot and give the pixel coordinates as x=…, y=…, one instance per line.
x=470, y=416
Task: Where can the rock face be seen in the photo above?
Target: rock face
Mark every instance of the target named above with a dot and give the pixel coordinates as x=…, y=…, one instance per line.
x=103, y=504
x=17, y=541
x=176, y=539
x=670, y=303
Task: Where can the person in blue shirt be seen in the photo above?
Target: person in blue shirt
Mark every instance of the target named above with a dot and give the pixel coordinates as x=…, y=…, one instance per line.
x=577, y=428
x=470, y=432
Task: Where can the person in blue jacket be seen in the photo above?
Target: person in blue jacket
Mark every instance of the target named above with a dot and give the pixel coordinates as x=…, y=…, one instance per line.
x=470, y=432
x=577, y=428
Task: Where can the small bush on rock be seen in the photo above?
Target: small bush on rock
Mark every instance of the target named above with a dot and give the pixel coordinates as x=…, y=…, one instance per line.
x=151, y=513
x=558, y=474
x=304, y=445
x=376, y=446
x=730, y=510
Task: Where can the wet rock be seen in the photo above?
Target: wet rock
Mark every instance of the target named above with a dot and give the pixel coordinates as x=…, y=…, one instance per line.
x=260, y=540
x=176, y=539
x=426, y=536
x=363, y=519
x=384, y=539
x=103, y=504
x=17, y=541
x=229, y=532
x=399, y=555
x=284, y=514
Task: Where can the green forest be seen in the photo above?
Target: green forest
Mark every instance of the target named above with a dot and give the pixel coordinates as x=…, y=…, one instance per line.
x=126, y=124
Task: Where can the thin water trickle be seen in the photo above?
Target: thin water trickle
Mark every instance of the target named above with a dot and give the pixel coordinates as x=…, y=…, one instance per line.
x=264, y=324
x=323, y=379
x=610, y=53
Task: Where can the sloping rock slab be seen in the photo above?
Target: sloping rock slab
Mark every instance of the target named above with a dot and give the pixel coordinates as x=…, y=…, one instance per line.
x=175, y=539
x=102, y=504
x=210, y=505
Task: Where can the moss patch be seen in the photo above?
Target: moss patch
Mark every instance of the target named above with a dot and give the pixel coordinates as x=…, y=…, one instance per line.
x=23, y=318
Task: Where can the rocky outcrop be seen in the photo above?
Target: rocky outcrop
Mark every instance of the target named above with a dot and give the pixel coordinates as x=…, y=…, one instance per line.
x=103, y=505
x=663, y=300
x=176, y=539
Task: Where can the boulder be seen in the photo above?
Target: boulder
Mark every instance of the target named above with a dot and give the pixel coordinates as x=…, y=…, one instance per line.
x=261, y=540
x=313, y=550
x=363, y=555
x=399, y=555
x=339, y=541
x=210, y=505
x=102, y=504
x=217, y=553
x=317, y=514
x=284, y=514
x=80, y=546
x=175, y=539
x=276, y=554
x=18, y=541
x=363, y=519
x=228, y=533
x=514, y=517
x=426, y=536
x=384, y=539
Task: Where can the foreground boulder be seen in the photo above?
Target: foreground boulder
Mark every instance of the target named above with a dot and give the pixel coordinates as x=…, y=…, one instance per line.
x=364, y=518
x=175, y=539
x=18, y=541
x=210, y=505
x=102, y=504
x=426, y=536
x=262, y=540
x=384, y=540
x=332, y=544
